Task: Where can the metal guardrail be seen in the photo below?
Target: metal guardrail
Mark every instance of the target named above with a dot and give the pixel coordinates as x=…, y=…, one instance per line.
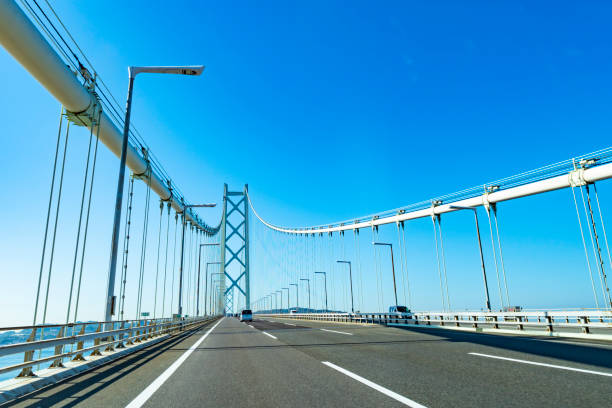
x=585, y=323
x=107, y=336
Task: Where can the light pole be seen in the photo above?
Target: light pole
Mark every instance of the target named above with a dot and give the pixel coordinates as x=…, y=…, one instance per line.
x=297, y=295
x=288, y=304
x=308, y=280
x=325, y=276
x=132, y=71
x=211, y=291
x=180, y=294
x=482, y=263
x=351, y=280
x=206, y=285
x=199, y=263
x=281, y=297
x=392, y=266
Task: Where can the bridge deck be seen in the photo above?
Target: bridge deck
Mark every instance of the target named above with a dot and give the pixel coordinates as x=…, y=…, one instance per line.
x=238, y=365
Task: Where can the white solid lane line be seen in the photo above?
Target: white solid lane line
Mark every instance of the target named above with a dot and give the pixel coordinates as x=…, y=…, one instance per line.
x=290, y=324
x=544, y=364
x=336, y=331
x=389, y=393
x=154, y=386
x=269, y=335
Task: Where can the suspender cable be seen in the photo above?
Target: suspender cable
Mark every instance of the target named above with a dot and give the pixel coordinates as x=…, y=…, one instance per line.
x=166, y=260
x=44, y=246
x=604, y=278
x=126, y=245
x=159, y=230
x=593, y=245
x=406, y=266
x=401, y=260
x=91, y=184
x=173, y=261
x=78, y=236
x=586, y=253
x=443, y=256
x=59, y=199
x=501, y=299
x=501, y=255
x=603, y=226
x=433, y=219
x=143, y=249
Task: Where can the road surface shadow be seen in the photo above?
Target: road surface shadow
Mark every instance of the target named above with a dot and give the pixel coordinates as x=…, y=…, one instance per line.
x=545, y=347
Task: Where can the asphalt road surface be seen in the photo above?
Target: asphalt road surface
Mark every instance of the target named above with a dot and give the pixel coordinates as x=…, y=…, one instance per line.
x=291, y=363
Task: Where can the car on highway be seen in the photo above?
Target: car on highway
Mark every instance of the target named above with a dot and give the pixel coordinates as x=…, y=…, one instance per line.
x=293, y=311
x=402, y=311
x=246, y=315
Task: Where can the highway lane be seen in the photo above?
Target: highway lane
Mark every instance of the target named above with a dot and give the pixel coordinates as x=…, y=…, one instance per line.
x=435, y=367
x=280, y=363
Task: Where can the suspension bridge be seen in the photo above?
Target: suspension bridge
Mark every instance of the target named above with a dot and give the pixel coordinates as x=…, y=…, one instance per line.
x=336, y=316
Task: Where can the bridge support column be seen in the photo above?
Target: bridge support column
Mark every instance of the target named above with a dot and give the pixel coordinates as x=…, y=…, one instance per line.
x=235, y=248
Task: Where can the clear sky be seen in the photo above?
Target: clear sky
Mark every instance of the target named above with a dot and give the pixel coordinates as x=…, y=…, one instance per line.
x=328, y=110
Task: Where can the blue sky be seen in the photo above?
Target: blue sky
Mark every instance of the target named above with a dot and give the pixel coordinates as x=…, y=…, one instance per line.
x=329, y=110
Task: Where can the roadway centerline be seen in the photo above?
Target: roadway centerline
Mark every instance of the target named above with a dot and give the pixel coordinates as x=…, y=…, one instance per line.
x=269, y=335
x=154, y=386
x=379, y=388
x=336, y=331
x=580, y=370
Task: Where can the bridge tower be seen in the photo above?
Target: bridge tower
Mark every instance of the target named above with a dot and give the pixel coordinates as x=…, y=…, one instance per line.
x=235, y=248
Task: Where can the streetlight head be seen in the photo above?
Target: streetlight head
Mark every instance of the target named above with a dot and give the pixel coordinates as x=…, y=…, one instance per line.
x=179, y=70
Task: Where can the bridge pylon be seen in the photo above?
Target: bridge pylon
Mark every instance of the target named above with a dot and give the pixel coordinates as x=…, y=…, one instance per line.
x=235, y=248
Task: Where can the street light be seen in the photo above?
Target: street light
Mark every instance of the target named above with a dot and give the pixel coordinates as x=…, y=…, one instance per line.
x=180, y=295
x=297, y=295
x=211, y=291
x=351, y=280
x=325, y=276
x=482, y=263
x=392, y=266
x=281, y=302
x=288, y=304
x=199, y=263
x=132, y=71
x=305, y=279
x=206, y=285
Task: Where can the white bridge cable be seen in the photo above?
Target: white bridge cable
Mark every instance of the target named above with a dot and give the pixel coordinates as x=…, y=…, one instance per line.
x=71, y=78
x=595, y=166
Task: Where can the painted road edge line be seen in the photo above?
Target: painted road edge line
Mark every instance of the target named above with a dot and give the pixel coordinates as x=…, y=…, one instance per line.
x=290, y=324
x=580, y=370
x=154, y=386
x=269, y=335
x=387, y=392
x=336, y=331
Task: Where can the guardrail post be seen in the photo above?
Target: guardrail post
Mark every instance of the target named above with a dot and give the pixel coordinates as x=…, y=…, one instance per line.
x=549, y=321
x=97, y=342
x=28, y=356
x=137, y=339
x=58, y=349
x=457, y=321
x=441, y=320
x=80, y=344
x=120, y=345
x=474, y=322
x=585, y=322
x=495, y=326
x=520, y=320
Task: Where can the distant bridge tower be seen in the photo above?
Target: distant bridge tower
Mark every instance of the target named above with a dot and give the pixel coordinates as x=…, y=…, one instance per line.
x=235, y=247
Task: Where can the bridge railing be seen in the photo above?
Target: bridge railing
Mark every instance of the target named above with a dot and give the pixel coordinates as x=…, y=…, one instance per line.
x=73, y=340
x=595, y=324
